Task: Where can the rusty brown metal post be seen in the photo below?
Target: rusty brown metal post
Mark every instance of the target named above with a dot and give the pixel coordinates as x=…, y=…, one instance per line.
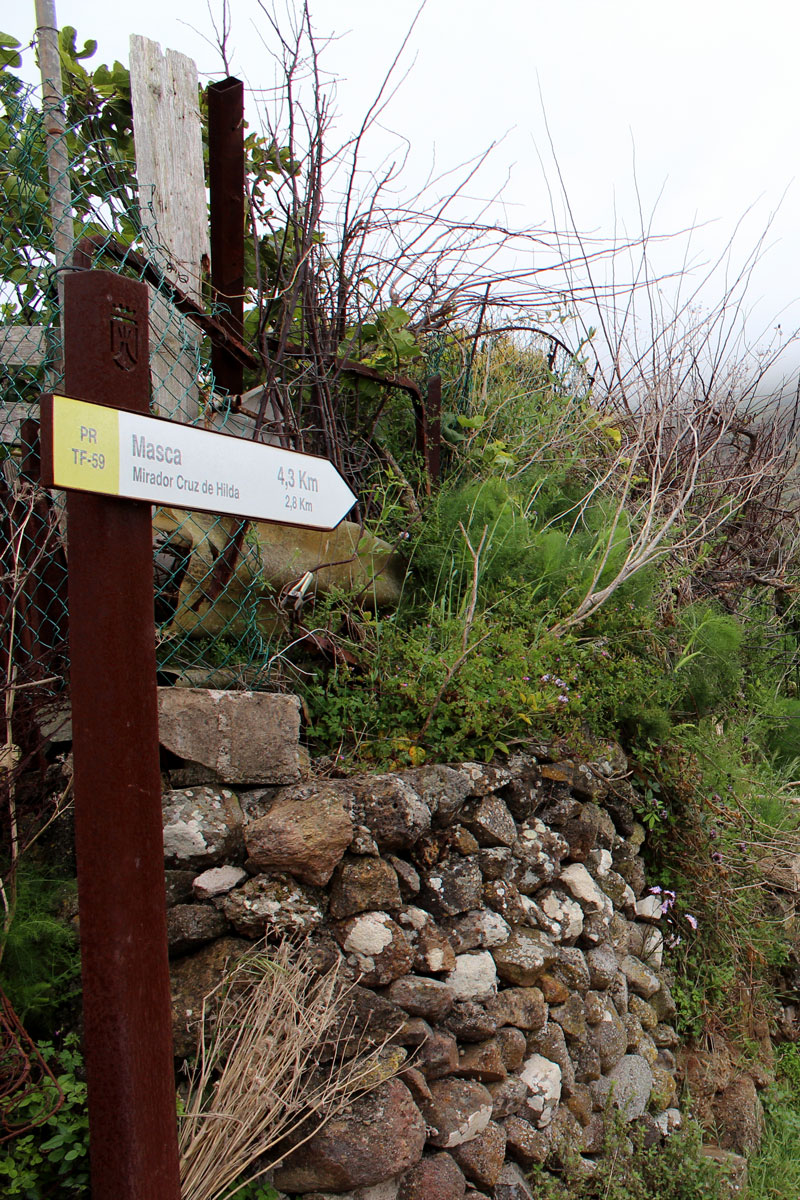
x=226, y=195
x=118, y=827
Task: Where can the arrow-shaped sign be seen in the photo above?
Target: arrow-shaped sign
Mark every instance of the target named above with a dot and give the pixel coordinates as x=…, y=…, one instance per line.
x=90, y=448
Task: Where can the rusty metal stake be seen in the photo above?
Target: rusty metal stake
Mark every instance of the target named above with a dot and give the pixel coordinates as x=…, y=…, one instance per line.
x=118, y=826
x=226, y=194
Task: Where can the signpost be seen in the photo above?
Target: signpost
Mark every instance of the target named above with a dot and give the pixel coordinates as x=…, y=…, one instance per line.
x=115, y=460
x=93, y=448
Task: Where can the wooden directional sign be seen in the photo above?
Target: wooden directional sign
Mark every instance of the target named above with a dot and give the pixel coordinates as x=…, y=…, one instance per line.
x=113, y=452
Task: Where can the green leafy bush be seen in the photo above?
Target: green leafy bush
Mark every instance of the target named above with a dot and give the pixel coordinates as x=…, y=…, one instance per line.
x=52, y=1159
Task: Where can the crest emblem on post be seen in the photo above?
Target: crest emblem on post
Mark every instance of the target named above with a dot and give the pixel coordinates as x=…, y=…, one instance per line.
x=124, y=338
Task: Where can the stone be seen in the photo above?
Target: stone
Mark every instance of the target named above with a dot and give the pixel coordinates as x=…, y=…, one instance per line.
x=192, y=925
x=523, y=1007
x=511, y=1184
x=202, y=828
x=470, y=1022
x=523, y=792
x=481, y=1158
x=739, y=1117
x=663, y=1004
x=443, y=789
x=371, y=1018
x=463, y=841
x=193, y=978
x=489, y=820
x=485, y=777
x=618, y=892
x=572, y=1018
x=619, y=993
x=433, y=953
x=363, y=843
x=481, y=929
x=474, y=977
x=732, y=1168
x=610, y=1038
x=246, y=738
x=630, y=1082
x=543, y=1079
x=566, y=1135
x=509, y=1095
x=580, y=1104
x=551, y=1044
x=647, y=944
x=363, y=885
x=553, y=990
x=273, y=904
x=178, y=886
x=665, y=1090
x=640, y=978
x=482, y=1061
x=583, y=888
x=381, y=1135
x=217, y=881
x=540, y=851
x=305, y=833
x=459, y=1111
x=497, y=862
x=594, y=1005
x=566, y=913
x=407, y=877
x=375, y=946
x=434, y=1177
x=438, y=1055
x=601, y=961
x=420, y=997
x=649, y=908
x=585, y=1062
x=512, y=1047
x=630, y=866
x=506, y=899
x=644, y=1013
x=572, y=969
x=782, y=871
x=524, y=957
x=453, y=887
x=665, y=1037
x=525, y=1143
x=598, y=864
x=391, y=809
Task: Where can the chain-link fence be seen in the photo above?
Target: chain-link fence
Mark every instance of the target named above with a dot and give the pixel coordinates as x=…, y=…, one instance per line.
x=210, y=619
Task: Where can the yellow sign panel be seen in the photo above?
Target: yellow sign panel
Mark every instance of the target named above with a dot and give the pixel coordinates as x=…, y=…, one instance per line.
x=85, y=445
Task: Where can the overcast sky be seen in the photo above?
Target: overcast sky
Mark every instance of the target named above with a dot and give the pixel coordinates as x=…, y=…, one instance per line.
x=696, y=100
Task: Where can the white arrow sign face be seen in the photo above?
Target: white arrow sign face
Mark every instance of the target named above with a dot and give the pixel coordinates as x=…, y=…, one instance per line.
x=116, y=453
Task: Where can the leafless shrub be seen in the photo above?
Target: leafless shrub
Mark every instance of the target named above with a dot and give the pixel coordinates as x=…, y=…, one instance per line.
x=259, y=1079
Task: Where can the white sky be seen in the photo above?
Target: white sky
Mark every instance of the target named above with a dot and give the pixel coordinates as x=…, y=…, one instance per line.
x=703, y=94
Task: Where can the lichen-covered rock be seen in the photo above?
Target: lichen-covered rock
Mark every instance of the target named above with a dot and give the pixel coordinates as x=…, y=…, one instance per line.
x=524, y=957
x=572, y=1018
x=391, y=809
x=640, y=978
x=505, y=898
x=443, y=789
x=193, y=978
x=524, y=1142
x=453, y=887
x=565, y=913
x=380, y=1135
x=629, y=1083
x=539, y=851
x=489, y=820
x=592, y=899
x=274, y=904
x=508, y=1096
x=375, y=946
x=481, y=929
x=602, y=963
x=434, y=1177
x=610, y=1037
x=481, y=1159
x=484, y=778
x=511, y=1184
x=244, y=737
x=482, y=1061
x=192, y=925
x=362, y=885
x=432, y=950
x=523, y=1007
x=474, y=977
x=512, y=1047
x=420, y=997
x=202, y=828
x=305, y=832
x=543, y=1080
x=459, y=1110
x=551, y=1044
x=470, y=1022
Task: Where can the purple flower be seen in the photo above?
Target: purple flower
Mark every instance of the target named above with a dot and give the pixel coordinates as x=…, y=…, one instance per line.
x=563, y=699
x=546, y=678
x=692, y=920
x=655, y=891
x=716, y=856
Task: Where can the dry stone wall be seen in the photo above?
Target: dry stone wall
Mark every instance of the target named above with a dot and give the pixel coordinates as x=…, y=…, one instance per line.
x=498, y=926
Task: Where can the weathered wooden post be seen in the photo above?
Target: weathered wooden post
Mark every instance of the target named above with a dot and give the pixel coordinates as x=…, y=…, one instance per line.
x=118, y=825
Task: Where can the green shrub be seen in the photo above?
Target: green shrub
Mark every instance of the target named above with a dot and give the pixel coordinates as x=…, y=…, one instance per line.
x=711, y=664
x=40, y=966
x=52, y=1159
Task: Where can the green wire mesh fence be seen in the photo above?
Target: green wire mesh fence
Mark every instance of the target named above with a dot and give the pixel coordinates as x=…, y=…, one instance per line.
x=201, y=635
